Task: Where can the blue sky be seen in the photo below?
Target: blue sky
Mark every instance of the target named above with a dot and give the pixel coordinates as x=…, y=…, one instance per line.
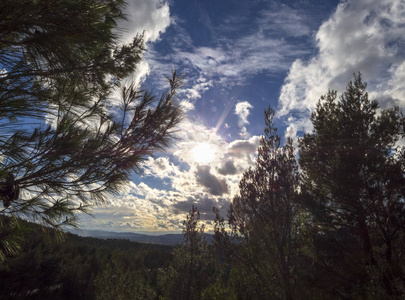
x=239, y=57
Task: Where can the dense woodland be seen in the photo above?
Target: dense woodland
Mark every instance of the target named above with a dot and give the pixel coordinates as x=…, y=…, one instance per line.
x=321, y=217
x=81, y=267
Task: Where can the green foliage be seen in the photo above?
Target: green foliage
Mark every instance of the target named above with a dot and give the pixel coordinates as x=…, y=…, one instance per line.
x=64, y=147
x=115, y=283
x=45, y=43
x=263, y=222
x=80, y=268
x=353, y=187
x=192, y=268
x=10, y=237
x=334, y=228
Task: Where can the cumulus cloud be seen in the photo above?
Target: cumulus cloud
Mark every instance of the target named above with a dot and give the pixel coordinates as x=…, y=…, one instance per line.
x=237, y=158
x=195, y=91
x=144, y=206
x=240, y=148
x=203, y=203
x=151, y=17
x=215, y=185
x=365, y=36
x=242, y=110
x=396, y=87
x=186, y=106
x=228, y=168
x=160, y=168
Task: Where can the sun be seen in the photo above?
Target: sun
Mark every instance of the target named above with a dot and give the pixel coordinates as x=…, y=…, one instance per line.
x=203, y=153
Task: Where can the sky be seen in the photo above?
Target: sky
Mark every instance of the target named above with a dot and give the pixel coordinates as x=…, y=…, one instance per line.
x=239, y=57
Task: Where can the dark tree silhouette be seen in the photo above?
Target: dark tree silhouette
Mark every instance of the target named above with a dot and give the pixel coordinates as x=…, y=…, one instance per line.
x=353, y=173
x=192, y=268
x=263, y=221
x=65, y=145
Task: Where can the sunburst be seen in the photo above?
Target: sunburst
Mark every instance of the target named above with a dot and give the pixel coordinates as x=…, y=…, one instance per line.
x=203, y=153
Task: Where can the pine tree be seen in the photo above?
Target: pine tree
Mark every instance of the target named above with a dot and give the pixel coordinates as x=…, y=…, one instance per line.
x=263, y=220
x=116, y=282
x=353, y=172
x=191, y=270
x=63, y=147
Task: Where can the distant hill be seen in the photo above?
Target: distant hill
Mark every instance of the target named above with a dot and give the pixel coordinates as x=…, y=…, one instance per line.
x=164, y=239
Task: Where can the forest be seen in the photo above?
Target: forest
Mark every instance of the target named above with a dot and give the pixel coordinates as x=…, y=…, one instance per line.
x=80, y=267
x=324, y=222
x=319, y=217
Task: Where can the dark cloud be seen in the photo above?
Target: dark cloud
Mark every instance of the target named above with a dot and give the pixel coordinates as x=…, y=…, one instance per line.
x=163, y=226
x=243, y=147
x=215, y=186
x=183, y=206
x=228, y=168
x=206, y=204
x=203, y=204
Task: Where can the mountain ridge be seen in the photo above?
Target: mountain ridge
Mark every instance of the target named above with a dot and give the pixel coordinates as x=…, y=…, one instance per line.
x=163, y=239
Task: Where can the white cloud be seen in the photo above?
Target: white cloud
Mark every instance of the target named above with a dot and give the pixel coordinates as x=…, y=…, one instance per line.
x=160, y=168
x=195, y=91
x=144, y=206
x=218, y=177
x=151, y=17
x=243, y=133
x=396, y=87
x=242, y=110
x=186, y=106
x=240, y=148
x=231, y=61
x=365, y=36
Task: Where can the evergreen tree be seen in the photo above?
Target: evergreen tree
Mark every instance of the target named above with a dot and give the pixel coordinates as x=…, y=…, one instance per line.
x=63, y=147
x=353, y=174
x=263, y=222
x=115, y=282
x=192, y=268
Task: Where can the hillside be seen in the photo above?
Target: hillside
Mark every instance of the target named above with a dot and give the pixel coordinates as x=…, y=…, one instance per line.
x=72, y=269
x=163, y=239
